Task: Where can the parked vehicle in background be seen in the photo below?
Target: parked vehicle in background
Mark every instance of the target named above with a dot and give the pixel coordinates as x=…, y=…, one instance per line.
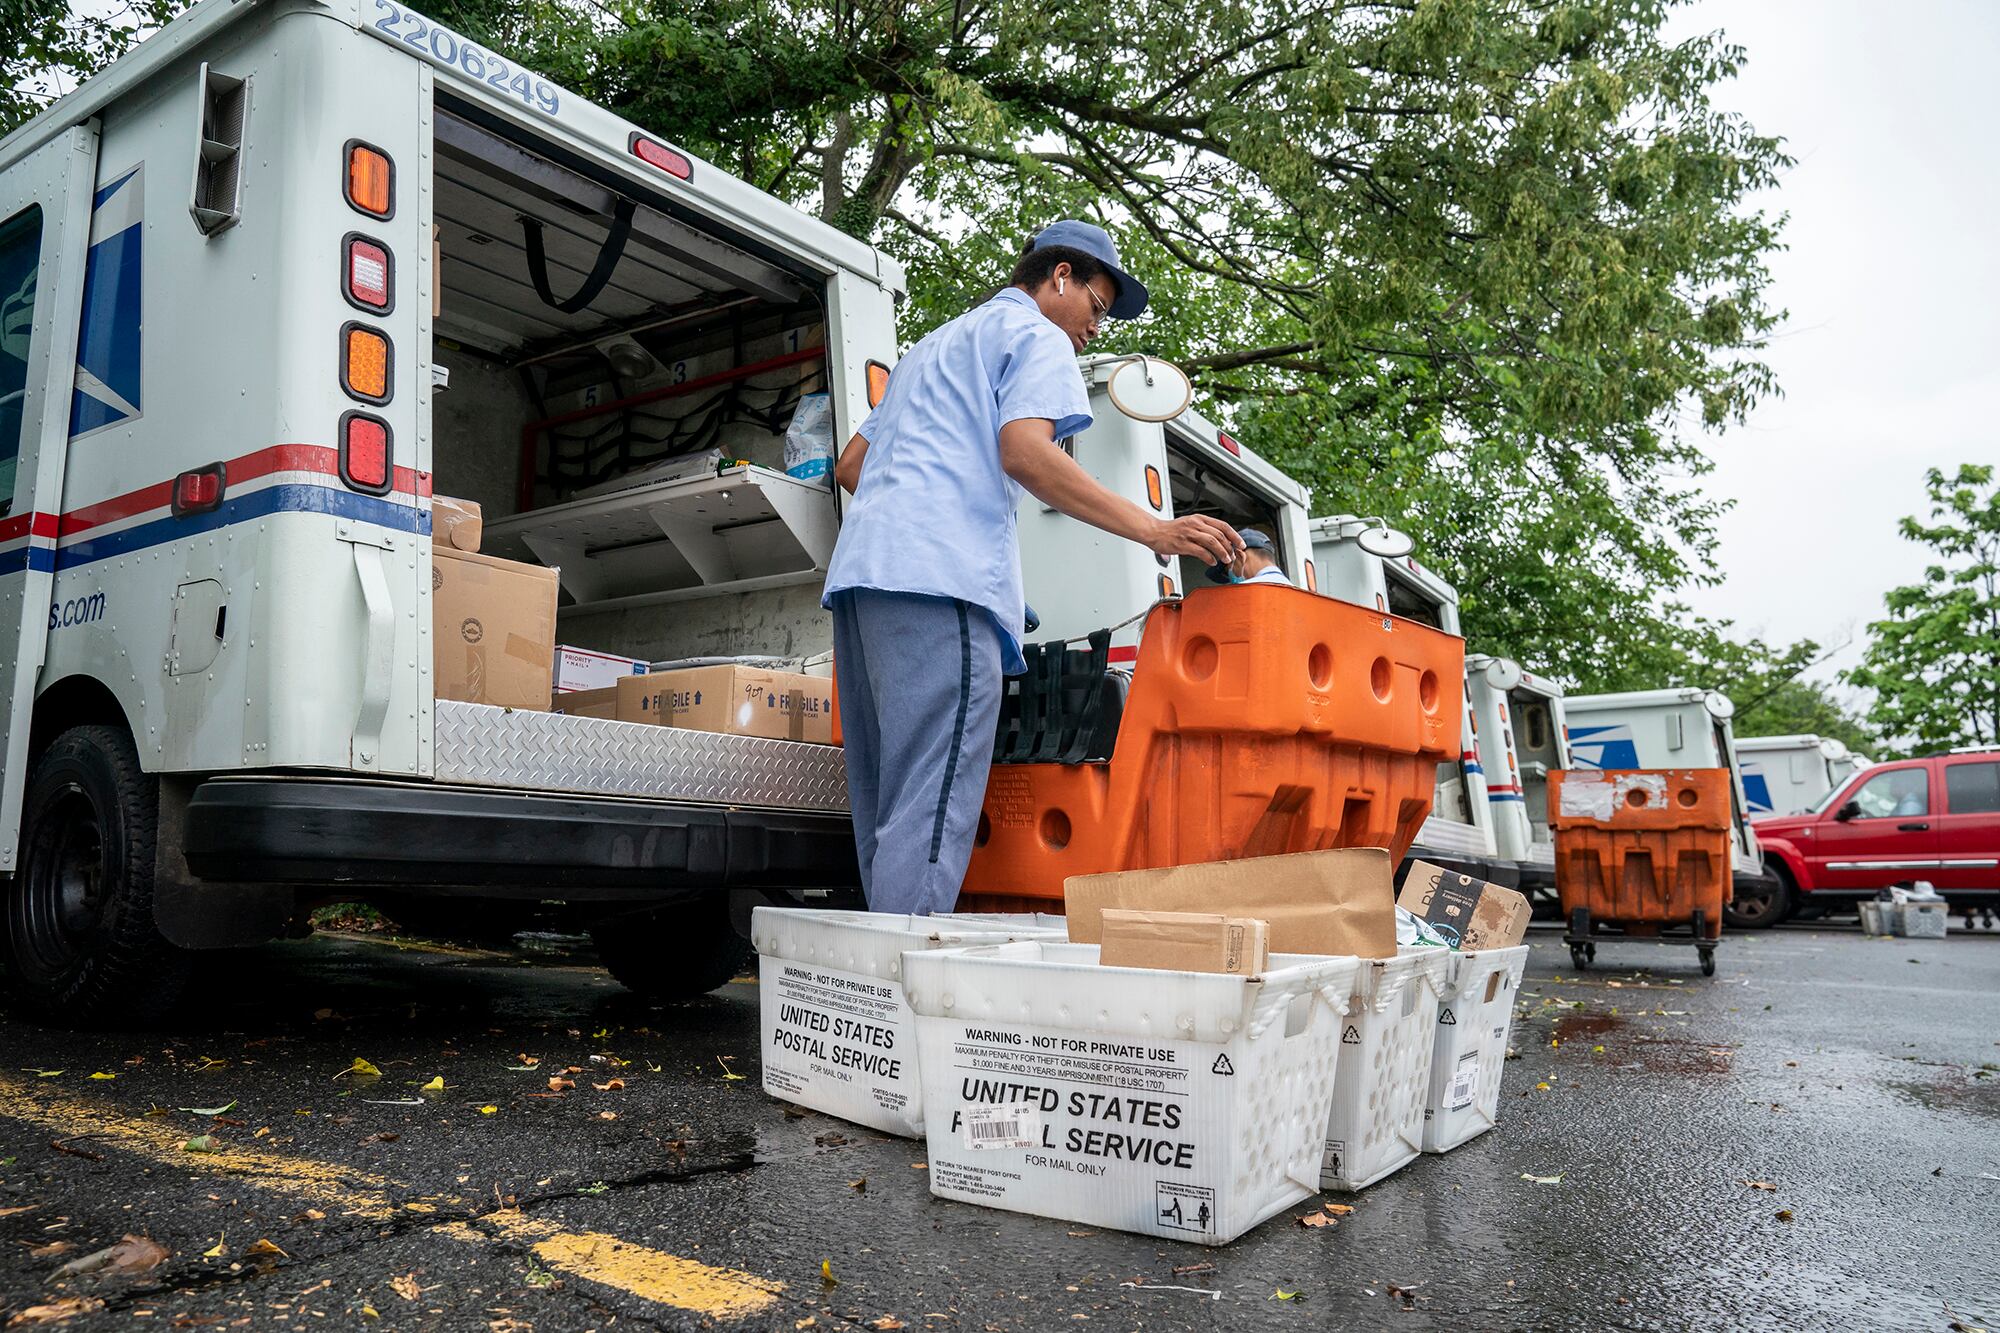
x=1936, y=818
x=1521, y=715
x=1360, y=560
x=1787, y=775
x=1681, y=728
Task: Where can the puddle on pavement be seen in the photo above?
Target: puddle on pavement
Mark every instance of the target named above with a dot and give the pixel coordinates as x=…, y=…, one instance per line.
x=1954, y=1089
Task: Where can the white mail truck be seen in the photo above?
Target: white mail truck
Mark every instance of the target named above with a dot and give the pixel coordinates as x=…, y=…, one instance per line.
x=266, y=283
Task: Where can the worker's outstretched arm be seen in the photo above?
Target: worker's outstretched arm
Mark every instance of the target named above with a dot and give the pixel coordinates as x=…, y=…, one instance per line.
x=1029, y=455
x=847, y=470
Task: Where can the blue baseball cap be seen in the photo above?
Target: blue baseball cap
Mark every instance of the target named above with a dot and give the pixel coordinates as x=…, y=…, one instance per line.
x=1094, y=241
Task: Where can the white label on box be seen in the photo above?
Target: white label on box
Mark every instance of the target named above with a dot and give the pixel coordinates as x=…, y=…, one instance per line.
x=845, y=1035
x=1464, y=1082
x=1016, y=1126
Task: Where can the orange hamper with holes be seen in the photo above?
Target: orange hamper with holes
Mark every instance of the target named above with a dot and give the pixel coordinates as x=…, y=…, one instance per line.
x=1260, y=719
x=1642, y=852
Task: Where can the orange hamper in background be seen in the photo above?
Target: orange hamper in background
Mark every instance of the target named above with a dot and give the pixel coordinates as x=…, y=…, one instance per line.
x=1642, y=851
x=1260, y=719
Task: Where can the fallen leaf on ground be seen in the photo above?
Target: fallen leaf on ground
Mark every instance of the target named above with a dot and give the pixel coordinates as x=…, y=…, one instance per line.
x=859, y=1186
x=488, y=1110
x=826, y=1273
x=361, y=1068
x=133, y=1254
x=1761, y=1185
x=727, y=1072
x=51, y=1250
x=808, y=1322
x=200, y=1143
x=42, y=1073
x=1279, y=1293
x=216, y=1251
x=888, y=1321
x=1338, y=1209
x=406, y=1287
x=615, y=1085
x=920, y=1166
x=435, y=1085
x=1783, y=1214
x=1317, y=1220
x=607, y=1115
x=101, y=1076
x=558, y=1083
x=1543, y=1180
x=55, y=1312
x=19, y=1208
x=266, y=1247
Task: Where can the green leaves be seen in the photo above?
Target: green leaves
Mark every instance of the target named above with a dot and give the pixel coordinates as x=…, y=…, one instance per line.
x=1934, y=662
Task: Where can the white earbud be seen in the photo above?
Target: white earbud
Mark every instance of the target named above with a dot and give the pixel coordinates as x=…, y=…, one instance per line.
x=1059, y=287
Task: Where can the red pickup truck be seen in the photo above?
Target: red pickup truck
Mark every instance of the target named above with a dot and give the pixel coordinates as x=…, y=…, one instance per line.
x=1935, y=818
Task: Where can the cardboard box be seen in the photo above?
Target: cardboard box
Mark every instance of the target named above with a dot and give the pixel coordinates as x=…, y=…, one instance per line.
x=493, y=629
x=741, y=701
x=1470, y=912
x=1334, y=902
x=588, y=669
x=456, y=523
x=1186, y=942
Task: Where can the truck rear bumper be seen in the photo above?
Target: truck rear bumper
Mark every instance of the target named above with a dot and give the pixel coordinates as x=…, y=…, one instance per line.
x=496, y=843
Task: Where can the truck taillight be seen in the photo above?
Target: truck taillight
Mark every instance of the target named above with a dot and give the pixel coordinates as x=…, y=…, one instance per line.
x=365, y=277
x=878, y=383
x=364, y=363
x=364, y=453
x=1231, y=445
x=1166, y=587
x=370, y=180
x=1155, y=494
x=1312, y=577
x=655, y=154
x=197, y=491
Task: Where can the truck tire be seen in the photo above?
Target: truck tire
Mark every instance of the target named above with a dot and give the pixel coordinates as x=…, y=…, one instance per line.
x=1759, y=908
x=679, y=953
x=77, y=941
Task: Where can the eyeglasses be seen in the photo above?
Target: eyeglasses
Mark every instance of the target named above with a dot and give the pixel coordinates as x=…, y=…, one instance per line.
x=1098, y=306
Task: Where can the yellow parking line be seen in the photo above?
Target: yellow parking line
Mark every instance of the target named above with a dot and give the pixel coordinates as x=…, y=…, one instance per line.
x=638, y=1270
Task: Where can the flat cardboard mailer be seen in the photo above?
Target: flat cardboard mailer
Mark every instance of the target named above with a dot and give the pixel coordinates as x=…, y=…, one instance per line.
x=1337, y=902
x=493, y=629
x=456, y=523
x=1185, y=942
x=741, y=701
x=1470, y=913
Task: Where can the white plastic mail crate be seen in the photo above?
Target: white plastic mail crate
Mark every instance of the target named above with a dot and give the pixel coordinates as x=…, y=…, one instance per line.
x=1377, y=1122
x=1054, y=922
x=1919, y=920
x=1185, y=1105
x=1475, y=1011
x=837, y=1035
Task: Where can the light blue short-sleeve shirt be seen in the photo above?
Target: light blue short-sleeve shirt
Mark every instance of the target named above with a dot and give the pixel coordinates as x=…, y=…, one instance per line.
x=934, y=513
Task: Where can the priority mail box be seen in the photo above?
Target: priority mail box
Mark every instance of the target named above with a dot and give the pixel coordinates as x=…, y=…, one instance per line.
x=587, y=669
x=493, y=629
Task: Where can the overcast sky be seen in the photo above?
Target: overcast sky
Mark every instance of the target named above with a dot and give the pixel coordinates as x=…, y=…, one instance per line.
x=1890, y=359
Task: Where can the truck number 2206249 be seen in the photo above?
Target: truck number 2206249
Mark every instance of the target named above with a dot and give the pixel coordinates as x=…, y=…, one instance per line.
x=444, y=47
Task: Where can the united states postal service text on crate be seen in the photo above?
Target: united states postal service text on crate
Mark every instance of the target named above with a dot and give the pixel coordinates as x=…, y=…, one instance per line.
x=836, y=1032
x=1184, y=1105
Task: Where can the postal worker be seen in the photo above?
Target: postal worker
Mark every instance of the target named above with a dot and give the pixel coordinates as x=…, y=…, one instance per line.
x=925, y=583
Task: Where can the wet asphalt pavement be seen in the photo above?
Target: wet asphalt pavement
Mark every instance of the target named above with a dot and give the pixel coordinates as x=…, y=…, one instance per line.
x=1855, y=1081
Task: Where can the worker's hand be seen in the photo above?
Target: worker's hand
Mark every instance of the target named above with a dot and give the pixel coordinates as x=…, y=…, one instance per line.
x=1198, y=535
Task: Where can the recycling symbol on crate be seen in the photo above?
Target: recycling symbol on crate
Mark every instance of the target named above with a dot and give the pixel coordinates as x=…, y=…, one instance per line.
x=1351, y=1036
x=1222, y=1066
x=1445, y=1018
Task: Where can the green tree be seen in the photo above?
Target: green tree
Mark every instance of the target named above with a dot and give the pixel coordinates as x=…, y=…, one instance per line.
x=1934, y=663
x=47, y=47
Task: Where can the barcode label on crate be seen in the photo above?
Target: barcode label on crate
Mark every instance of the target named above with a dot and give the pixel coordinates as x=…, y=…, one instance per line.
x=1464, y=1082
x=1017, y=1126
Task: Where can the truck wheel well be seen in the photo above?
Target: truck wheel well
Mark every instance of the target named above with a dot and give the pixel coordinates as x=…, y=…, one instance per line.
x=75, y=701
